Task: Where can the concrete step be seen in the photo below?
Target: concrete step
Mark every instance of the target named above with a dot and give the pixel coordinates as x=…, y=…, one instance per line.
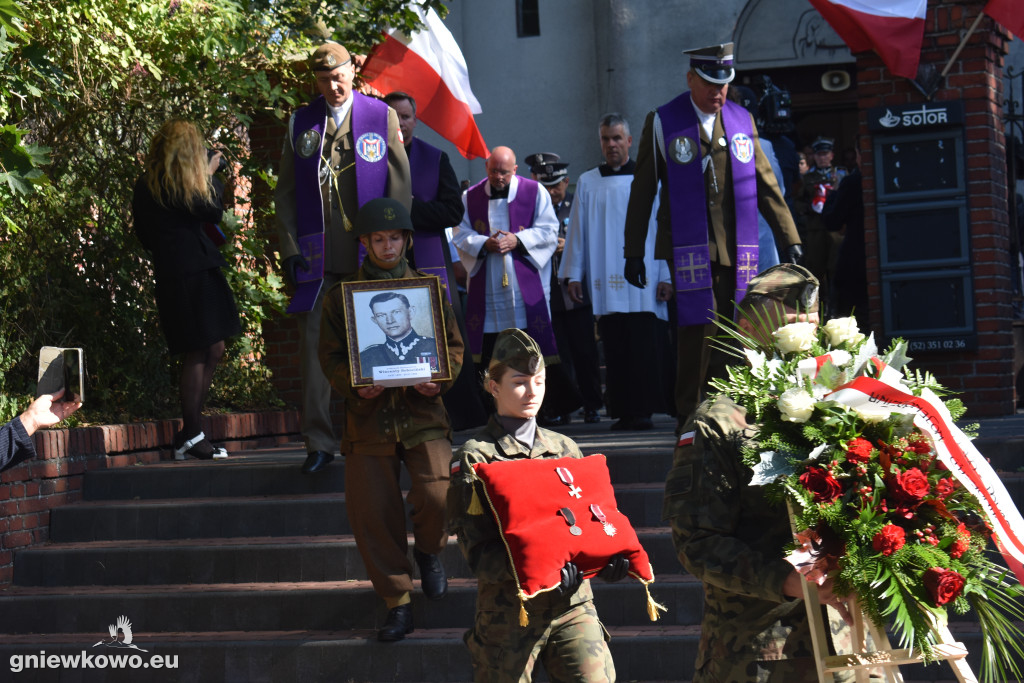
x=654, y=653
x=295, y=515
x=640, y=654
x=238, y=560
x=299, y=606
x=275, y=472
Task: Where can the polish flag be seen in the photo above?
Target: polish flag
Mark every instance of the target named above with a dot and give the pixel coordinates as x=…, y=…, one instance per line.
x=429, y=66
x=893, y=28
x=1009, y=13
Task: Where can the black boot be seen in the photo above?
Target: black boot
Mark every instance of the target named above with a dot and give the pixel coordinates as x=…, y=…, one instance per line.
x=433, y=579
x=398, y=623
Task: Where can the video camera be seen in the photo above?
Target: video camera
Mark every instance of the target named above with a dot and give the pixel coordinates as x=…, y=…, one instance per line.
x=774, y=109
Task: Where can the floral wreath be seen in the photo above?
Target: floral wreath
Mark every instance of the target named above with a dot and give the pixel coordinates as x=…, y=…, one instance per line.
x=887, y=496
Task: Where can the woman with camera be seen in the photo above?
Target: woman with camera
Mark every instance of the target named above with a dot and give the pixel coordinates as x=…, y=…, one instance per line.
x=177, y=194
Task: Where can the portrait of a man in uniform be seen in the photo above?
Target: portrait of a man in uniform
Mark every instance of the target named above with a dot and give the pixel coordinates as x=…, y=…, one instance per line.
x=393, y=314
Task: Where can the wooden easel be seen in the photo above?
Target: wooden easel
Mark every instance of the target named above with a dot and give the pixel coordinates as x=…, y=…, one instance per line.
x=883, y=656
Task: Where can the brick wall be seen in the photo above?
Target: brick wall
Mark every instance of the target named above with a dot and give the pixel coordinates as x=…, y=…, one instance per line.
x=54, y=477
x=985, y=376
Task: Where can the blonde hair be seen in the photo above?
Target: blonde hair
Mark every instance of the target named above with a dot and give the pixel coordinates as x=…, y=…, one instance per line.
x=177, y=168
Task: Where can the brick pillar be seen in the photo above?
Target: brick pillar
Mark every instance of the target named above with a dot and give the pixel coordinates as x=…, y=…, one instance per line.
x=983, y=377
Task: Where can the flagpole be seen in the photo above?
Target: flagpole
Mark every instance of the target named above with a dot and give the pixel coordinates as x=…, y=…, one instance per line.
x=963, y=42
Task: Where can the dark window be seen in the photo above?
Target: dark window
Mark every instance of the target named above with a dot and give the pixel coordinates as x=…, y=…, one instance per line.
x=527, y=18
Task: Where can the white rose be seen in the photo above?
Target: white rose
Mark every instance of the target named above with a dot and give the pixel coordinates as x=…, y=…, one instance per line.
x=796, y=405
x=795, y=337
x=841, y=330
x=872, y=413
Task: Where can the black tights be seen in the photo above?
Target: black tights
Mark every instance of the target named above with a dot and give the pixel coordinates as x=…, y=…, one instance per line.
x=196, y=376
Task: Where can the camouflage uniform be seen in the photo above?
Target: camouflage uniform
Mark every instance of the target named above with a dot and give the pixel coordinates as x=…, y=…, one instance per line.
x=564, y=631
x=732, y=539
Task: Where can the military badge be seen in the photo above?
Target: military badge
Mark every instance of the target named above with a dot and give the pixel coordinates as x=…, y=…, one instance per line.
x=371, y=147
x=683, y=150
x=566, y=476
x=742, y=148
x=309, y=144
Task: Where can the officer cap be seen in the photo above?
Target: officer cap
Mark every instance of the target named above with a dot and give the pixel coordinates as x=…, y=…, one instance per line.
x=540, y=158
x=822, y=144
x=329, y=56
x=551, y=174
x=713, y=63
x=382, y=213
x=788, y=283
x=518, y=350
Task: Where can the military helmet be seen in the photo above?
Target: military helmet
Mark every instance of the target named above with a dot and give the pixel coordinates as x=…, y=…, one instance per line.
x=788, y=283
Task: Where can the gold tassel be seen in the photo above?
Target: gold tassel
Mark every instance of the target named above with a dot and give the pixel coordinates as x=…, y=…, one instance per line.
x=524, y=618
x=653, y=607
x=475, y=507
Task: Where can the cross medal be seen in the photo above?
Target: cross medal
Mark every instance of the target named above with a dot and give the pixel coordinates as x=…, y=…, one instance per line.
x=605, y=524
x=566, y=476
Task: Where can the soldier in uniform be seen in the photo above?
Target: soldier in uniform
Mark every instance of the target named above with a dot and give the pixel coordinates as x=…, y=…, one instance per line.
x=714, y=178
x=385, y=427
x=341, y=150
x=755, y=626
x=392, y=313
x=822, y=244
x=564, y=632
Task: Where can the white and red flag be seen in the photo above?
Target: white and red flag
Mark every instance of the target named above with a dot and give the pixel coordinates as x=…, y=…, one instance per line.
x=1009, y=13
x=892, y=28
x=429, y=66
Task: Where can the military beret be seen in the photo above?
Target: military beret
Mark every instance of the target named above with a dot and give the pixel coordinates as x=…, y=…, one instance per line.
x=518, y=350
x=822, y=144
x=329, y=56
x=792, y=285
x=713, y=63
x=382, y=213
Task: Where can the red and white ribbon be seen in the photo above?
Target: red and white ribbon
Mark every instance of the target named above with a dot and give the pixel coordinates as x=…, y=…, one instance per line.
x=955, y=451
x=566, y=476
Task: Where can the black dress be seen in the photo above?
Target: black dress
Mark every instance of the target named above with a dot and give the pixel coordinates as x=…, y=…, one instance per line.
x=195, y=303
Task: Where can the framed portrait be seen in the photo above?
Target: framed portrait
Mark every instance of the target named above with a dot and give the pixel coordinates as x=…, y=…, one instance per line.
x=396, y=331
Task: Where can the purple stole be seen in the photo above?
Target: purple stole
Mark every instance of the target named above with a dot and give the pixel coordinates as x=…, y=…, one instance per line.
x=428, y=247
x=369, y=124
x=520, y=216
x=695, y=299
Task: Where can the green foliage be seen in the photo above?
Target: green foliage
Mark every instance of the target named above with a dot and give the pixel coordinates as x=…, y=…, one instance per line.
x=83, y=86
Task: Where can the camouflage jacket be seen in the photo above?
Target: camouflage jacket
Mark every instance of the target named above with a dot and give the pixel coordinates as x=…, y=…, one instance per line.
x=478, y=534
x=728, y=536
x=399, y=414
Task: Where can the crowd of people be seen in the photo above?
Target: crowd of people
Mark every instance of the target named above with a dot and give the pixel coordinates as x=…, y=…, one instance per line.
x=540, y=285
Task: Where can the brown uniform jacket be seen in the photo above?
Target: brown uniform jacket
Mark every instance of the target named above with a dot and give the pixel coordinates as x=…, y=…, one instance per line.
x=399, y=414
x=340, y=248
x=650, y=168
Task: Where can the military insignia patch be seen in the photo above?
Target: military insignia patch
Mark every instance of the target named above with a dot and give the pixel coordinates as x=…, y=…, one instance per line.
x=742, y=148
x=371, y=147
x=309, y=144
x=683, y=150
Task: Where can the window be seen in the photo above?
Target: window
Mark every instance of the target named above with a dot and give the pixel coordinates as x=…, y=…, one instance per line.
x=527, y=18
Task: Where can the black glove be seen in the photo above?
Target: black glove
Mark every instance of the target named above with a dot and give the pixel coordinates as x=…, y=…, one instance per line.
x=615, y=570
x=635, y=272
x=794, y=253
x=572, y=577
x=291, y=266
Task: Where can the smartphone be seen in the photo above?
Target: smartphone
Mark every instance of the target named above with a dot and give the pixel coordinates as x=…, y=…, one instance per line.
x=61, y=368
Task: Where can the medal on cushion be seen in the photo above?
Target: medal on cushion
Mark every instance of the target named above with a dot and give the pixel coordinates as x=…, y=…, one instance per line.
x=600, y=516
x=570, y=519
x=566, y=476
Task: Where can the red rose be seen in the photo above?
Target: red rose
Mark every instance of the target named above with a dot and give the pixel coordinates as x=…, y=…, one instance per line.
x=822, y=484
x=943, y=585
x=908, y=487
x=919, y=444
x=944, y=487
x=962, y=542
x=890, y=539
x=858, y=450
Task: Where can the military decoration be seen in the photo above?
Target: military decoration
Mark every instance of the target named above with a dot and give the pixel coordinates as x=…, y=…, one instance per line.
x=742, y=148
x=683, y=149
x=309, y=144
x=371, y=147
x=599, y=515
x=566, y=476
x=570, y=519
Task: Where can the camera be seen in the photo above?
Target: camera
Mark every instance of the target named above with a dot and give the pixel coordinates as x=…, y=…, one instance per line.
x=222, y=165
x=775, y=108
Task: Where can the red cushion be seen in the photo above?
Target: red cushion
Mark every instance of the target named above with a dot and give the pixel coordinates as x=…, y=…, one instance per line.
x=526, y=496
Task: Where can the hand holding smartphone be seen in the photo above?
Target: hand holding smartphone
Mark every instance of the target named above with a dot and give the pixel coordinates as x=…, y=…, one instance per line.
x=61, y=368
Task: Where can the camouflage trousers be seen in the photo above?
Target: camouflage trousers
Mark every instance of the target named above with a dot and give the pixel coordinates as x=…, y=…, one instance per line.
x=572, y=646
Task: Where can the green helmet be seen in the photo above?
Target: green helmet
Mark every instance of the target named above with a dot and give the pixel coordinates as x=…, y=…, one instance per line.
x=379, y=214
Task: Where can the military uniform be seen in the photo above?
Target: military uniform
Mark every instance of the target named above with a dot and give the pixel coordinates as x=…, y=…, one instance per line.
x=564, y=631
x=414, y=348
x=399, y=426
x=821, y=244
x=340, y=205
